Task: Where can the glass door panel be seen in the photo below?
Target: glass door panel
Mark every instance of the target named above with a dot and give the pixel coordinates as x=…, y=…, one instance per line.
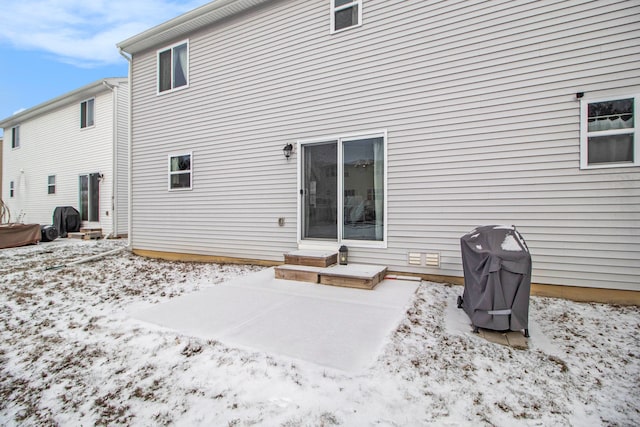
x=363, y=203
x=89, y=188
x=320, y=191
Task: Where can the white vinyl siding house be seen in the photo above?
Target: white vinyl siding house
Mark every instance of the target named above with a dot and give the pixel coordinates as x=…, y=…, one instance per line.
x=67, y=157
x=479, y=104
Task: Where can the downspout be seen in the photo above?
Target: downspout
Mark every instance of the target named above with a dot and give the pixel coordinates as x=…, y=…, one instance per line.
x=114, y=157
x=129, y=151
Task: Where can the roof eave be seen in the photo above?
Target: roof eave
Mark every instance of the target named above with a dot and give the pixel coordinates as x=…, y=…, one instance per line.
x=185, y=24
x=77, y=95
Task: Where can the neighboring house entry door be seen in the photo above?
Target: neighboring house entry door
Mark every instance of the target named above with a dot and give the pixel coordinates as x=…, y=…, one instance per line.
x=90, y=197
x=342, y=190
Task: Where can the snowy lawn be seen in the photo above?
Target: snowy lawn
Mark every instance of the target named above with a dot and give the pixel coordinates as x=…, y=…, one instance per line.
x=71, y=355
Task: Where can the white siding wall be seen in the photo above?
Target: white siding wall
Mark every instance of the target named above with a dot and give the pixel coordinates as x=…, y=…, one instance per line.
x=478, y=99
x=54, y=144
x=121, y=198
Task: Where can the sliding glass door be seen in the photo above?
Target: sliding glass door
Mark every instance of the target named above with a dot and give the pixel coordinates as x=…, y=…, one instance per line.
x=89, y=189
x=343, y=190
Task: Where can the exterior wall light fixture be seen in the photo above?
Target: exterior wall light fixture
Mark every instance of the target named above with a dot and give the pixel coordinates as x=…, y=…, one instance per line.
x=287, y=149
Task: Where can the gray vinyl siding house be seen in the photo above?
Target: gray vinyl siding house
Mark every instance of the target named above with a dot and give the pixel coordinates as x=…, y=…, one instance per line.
x=469, y=113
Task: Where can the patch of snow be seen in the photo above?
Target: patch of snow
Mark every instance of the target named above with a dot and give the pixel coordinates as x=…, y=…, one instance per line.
x=70, y=355
x=510, y=244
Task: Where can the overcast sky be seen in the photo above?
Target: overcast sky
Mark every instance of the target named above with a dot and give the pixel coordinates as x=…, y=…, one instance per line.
x=51, y=47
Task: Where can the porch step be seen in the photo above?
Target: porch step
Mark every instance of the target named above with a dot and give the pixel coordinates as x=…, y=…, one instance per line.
x=311, y=258
x=90, y=230
x=95, y=233
x=353, y=275
x=359, y=276
x=300, y=273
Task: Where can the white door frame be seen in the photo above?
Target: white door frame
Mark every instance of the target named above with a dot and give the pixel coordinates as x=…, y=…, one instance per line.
x=329, y=244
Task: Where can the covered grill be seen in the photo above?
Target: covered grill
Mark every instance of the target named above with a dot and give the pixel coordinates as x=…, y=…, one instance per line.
x=497, y=278
x=66, y=219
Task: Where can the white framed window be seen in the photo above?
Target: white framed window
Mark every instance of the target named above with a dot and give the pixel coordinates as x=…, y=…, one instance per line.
x=345, y=14
x=12, y=189
x=15, y=137
x=608, y=132
x=87, y=113
x=180, y=171
x=51, y=184
x=173, y=67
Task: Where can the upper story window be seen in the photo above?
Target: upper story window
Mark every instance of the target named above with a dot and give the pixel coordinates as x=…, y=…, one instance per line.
x=345, y=14
x=51, y=184
x=609, y=135
x=180, y=171
x=15, y=137
x=173, y=67
x=87, y=113
x=12, y=189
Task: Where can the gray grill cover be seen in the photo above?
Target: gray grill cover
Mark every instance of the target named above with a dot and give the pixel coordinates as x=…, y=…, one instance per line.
x=497, y=278
x=66, y=219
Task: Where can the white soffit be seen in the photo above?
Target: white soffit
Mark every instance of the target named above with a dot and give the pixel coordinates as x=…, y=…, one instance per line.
x=186, y=23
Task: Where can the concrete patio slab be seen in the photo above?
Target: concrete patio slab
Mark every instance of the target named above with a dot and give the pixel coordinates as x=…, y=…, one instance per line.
x=336, y=327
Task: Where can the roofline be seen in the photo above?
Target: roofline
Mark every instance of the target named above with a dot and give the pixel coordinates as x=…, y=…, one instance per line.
x=74, y=96
x=186, y=23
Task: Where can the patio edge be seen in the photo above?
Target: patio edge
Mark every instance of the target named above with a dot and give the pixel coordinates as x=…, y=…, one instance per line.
x=573, y=293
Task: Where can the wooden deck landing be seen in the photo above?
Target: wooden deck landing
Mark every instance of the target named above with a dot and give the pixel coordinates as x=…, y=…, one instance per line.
x=353, y=275
x=321, y=267
x=86, y=234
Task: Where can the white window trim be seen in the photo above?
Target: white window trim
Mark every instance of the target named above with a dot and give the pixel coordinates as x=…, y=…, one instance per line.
x=169, y=172
x=15, y=130
x=164, y=49
x=51, y=185
x=94, y=113
x=584, y=133
x=302, y=243
x=335, y=9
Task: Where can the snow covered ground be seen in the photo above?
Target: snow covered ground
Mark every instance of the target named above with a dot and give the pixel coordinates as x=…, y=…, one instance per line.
x=71, y=355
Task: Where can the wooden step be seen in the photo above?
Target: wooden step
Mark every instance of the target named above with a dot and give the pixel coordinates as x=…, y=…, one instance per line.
x=90, y=230
x=311, y=258
x=300, y=273
x=85, y=236
x=359, y=276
